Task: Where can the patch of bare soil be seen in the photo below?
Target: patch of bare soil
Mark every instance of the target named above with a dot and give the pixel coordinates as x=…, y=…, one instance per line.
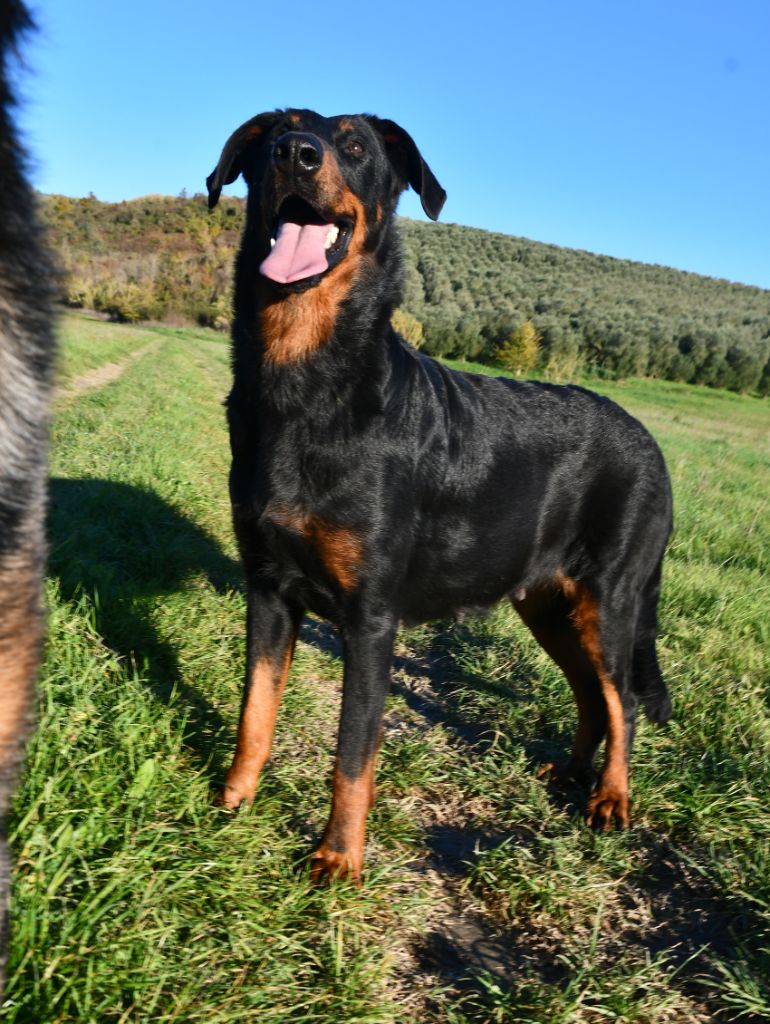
x=456, y=940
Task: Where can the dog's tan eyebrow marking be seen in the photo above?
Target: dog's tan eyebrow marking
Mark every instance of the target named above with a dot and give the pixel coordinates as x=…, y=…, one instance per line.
x=346, y=126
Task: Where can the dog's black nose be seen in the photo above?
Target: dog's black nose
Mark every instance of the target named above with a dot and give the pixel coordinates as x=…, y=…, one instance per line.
x=298, y=153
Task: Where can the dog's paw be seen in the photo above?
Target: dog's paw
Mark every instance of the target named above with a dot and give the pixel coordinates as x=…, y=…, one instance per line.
x=605, y=806
x=327, y=865
x=232, y=796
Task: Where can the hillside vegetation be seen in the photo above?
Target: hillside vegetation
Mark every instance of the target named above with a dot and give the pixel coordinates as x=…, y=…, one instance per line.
x=469, y=293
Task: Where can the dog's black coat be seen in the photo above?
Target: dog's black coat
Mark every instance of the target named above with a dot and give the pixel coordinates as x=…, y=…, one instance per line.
x=372, y=485
x=26, y=358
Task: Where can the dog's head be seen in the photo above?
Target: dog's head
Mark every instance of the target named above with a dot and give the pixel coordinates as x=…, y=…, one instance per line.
x=321, y=189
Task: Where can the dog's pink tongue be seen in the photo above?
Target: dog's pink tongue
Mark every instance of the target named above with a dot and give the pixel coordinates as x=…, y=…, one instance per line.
x=298, y=252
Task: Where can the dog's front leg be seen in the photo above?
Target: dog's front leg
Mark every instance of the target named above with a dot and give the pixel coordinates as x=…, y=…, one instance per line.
x=368, y=658
x=271, y=631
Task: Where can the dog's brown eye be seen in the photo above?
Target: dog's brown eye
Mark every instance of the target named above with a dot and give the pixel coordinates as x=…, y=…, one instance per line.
x=355, y=148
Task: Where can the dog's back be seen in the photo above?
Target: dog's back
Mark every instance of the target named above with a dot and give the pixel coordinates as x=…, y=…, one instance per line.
x=26, y=356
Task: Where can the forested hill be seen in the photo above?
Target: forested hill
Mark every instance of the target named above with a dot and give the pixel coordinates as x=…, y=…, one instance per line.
x=469, y=293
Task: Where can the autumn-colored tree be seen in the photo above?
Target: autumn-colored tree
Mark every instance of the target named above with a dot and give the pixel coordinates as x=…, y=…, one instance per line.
x=409, y=327
x=520, y=351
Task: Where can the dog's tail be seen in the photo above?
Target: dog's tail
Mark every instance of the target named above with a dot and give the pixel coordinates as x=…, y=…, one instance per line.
x=647, y=681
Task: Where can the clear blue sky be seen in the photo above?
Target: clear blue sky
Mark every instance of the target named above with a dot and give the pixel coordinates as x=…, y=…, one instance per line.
x=639, y=129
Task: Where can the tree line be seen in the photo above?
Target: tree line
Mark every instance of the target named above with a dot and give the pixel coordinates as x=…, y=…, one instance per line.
x=469, y=293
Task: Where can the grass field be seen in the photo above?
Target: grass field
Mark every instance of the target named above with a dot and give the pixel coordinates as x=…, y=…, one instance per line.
x=487, y=900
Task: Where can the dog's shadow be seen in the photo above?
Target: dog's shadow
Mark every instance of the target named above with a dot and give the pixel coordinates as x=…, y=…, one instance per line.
x=433, y=659
x=124, y=547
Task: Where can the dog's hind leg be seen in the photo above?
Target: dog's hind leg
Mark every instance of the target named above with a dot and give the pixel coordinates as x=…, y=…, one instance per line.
x=368, y=658
x=592, y=642
x=547, y=614
x=605, y=623
x=271, y=632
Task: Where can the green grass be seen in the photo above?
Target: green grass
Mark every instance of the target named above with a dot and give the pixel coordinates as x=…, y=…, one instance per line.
x=87, y=343
x=136, y=900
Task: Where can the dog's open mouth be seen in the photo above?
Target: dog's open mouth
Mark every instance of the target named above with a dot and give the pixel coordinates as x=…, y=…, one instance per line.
x=304, y=243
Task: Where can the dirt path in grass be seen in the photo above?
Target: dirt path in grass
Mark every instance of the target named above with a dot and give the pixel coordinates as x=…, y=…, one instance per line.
x=101, y=375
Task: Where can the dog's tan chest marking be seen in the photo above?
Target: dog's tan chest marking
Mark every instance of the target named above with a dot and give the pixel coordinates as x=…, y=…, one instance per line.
x=339, y=548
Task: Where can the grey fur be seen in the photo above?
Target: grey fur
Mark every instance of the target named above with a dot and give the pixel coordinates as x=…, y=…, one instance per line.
x=27, y=285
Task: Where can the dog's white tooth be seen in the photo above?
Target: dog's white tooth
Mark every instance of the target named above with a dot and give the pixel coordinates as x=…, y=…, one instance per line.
x=272, y=242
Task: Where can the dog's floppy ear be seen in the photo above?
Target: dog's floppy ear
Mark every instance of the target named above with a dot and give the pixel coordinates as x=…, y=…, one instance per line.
x=407, y=159
x=230, y=165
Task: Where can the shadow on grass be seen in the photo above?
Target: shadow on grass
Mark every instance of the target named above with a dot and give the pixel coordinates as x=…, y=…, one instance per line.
x=124, y=547
x=440, y=703
x=688, y=918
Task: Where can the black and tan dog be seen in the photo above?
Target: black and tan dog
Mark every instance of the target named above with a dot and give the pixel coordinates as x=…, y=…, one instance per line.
x=372, y=485
x=26, y=358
